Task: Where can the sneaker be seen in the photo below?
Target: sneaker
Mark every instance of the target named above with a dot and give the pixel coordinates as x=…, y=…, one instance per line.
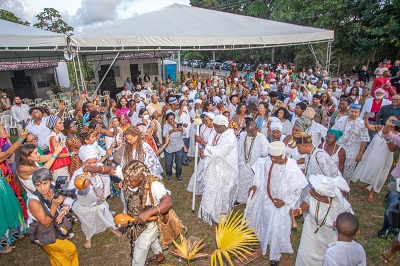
x=179, y=179
x=169, y=179
x=383, y=232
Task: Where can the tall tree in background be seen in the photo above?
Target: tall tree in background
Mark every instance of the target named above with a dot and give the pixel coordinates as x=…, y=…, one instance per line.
x=51, y=20
x=7, y=15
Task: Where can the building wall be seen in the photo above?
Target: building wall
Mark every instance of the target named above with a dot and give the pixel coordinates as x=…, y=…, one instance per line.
x=124, y=69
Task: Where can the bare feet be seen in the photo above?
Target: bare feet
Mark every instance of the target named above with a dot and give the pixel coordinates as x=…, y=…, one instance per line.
x=88, y=243
x=115, y=232
x=7, y=249
x=371, y=196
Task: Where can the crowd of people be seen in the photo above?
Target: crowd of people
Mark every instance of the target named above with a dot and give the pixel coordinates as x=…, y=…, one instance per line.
x=285, y=143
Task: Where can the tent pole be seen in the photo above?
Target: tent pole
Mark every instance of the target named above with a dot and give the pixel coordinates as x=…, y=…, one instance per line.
x=76, y=74
x=81, y=74
x=313, y=53
x=108, y=70
x=179, y=61
x=328, y=56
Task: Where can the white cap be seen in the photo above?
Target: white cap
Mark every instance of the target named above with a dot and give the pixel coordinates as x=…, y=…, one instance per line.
x=277, y=148
x=184, y=88
x=272, y=80
x=274, y=119
x=198, y=101
x=264, y=93
x=221, y=120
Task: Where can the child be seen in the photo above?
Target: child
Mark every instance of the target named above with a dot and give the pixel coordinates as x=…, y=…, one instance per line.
x=345, y=251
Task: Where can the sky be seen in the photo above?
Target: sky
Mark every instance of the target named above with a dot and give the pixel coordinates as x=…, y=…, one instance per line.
x=83, y=14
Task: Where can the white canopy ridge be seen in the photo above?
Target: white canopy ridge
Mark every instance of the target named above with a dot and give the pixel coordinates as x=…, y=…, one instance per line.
x=181, y=27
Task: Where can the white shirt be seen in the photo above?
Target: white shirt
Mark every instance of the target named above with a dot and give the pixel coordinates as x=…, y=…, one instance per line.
x=126, y=93
x=20, y=113
x=342, y=253
x=41, y=131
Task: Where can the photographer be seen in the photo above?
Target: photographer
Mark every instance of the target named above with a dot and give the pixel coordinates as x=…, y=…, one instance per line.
x=174, y=149
x=393, y=197
x=48, y=225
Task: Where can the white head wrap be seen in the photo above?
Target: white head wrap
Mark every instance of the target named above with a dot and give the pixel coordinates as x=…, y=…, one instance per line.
x=221, y=120
x=217, y=99
x=143, y=130
x=276, y=126
x=150, y=110
x=210, y=115
x=274, y=119
x=198, y=101
x=87, y=152
x=277, y=148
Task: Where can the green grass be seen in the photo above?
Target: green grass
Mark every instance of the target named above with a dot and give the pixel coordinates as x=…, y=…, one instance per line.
x=108, y=249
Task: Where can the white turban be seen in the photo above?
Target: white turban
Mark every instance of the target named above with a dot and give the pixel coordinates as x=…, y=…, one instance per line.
x=274, y=119
x=198, y=101
x=87, y=152
x=277, y=148
x=221, y=120
x=276, y=126
x=217, y=99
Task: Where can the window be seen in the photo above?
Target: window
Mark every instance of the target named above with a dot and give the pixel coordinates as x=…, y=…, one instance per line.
x=45, y=80
x=150, y=68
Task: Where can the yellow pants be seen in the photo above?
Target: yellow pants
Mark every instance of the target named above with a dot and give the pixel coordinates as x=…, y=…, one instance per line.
x=62, y=253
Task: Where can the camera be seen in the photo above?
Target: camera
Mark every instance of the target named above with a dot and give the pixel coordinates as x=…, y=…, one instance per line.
x=61, y=188
x=396, y=123
x=179, y=124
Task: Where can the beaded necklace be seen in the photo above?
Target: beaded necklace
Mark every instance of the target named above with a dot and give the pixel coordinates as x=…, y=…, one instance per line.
x=247, y=156
x=269, y=180
x=216, y=139
x=100, y=198
x=325, y=217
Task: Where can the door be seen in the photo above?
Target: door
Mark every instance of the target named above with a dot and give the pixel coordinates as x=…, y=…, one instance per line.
x=134, y=71
x=23, y=85
x=109, y=83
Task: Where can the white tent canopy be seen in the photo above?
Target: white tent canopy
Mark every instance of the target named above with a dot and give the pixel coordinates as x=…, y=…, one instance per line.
x=23, y=43
x=181, y=27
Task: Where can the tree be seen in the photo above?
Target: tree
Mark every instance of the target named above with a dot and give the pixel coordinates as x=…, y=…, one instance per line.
x=51, y=20
x=7, y=15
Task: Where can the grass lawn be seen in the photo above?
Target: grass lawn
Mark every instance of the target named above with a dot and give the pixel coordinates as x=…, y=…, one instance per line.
x=108, y=249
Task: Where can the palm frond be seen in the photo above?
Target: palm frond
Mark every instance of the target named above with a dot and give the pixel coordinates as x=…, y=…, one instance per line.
x=188, y=249
x=233, y=238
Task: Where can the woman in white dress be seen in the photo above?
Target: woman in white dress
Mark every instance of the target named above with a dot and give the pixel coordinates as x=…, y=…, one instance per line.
x=91, y=206
x=261, y=118
x=336, y=152
x=376, y=163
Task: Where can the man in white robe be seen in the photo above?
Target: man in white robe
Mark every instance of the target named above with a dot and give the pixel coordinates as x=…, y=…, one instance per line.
x=354, y=139
x=252, y=146
x=220, y=172
x=278, y=183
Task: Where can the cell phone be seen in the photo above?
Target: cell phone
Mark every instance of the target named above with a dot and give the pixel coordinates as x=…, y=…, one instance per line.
x=179, y=124
x=370, y=114
x=396, y=123
x=23, y=124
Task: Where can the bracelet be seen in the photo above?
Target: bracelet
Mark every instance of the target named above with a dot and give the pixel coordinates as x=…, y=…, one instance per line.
x=20, y=140
x=300, y=211
x=71, y=154
x=102, y=169
x=159, y=212
x=162, y=148
x=53, y=156
x=106, y=156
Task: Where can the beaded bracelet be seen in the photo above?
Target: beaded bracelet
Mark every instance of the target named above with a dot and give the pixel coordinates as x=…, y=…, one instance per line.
x=53, y=156
x=20, y=140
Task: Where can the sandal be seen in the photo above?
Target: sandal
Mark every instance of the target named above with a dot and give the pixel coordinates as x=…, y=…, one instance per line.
x=274, y=262
x=385, y=256
x=157, y=259
x=7, y=249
